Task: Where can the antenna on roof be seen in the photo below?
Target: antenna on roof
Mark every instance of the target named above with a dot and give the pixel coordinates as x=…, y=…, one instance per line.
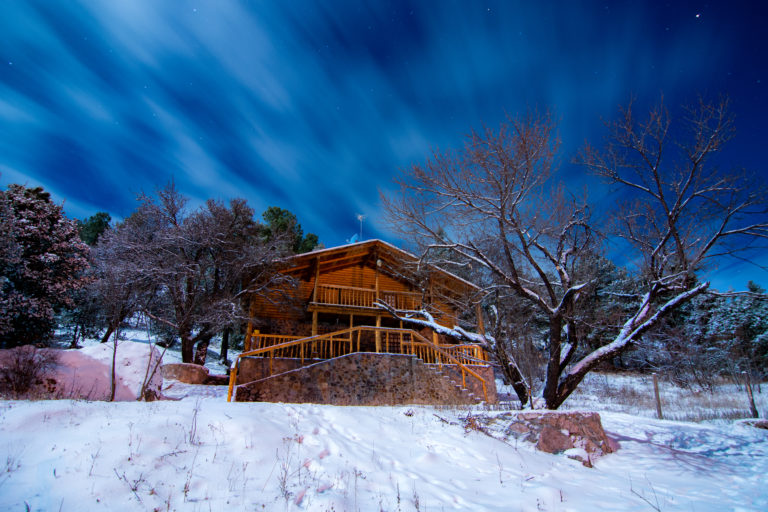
x=361, y=217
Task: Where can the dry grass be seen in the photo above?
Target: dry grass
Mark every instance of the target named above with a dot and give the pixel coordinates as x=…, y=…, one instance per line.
x=633, y=394
x=22, y=369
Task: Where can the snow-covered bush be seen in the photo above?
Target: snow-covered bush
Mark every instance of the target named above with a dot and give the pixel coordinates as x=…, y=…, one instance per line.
x=42, y=260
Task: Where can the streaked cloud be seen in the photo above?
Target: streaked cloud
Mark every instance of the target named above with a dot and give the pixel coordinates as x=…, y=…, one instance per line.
x=315, y=105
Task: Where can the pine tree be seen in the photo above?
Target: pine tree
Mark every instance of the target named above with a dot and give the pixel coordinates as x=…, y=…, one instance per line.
x=283, y=225
x=42, y=260
x=91, y=228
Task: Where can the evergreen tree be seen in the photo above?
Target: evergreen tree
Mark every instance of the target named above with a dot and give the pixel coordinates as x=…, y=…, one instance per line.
x=712, y=335
x=739, y=330
x=282, y=225
x=91, y=228
x=42, y=261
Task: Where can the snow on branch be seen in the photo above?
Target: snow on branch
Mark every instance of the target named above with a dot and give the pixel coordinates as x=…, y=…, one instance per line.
x=424, y=318
x=572, y=292
x=632, y=330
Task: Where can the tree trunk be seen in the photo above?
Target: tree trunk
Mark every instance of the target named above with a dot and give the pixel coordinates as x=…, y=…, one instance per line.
x=187, y=348
x=572, y=381
x=512, y=373
x=110, y=329
x=224, y=345
x=564, y=390
x=73, y=344
x=201, y=352
x=553, y=365
x=113, y=376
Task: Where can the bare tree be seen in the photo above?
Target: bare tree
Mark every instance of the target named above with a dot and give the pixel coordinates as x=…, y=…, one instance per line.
x=492, y=203
x=120, y=286
x=684, y=213
x=196, y=265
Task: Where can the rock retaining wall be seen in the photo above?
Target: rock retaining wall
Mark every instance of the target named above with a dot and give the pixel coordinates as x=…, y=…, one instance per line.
x=257, y=368
x=360, y=379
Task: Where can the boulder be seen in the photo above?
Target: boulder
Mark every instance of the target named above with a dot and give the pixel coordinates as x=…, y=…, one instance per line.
x=186, y=372
x=553, y=441
x=579, y=435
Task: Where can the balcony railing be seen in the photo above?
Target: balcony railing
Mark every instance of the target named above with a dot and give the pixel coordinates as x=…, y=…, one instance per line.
x=351, y=296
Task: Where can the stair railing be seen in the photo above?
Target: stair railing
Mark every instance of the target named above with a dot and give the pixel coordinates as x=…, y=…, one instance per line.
x=467, y=353
x=454, y=360
x=348, y=341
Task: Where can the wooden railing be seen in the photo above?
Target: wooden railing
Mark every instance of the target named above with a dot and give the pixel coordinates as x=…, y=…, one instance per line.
x=467, y=354
x=401, y=300
x=364, y=297
x=256, y=341
x=366, y=339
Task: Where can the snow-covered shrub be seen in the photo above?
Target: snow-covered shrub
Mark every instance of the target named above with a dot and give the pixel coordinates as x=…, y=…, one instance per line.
x=42, y=260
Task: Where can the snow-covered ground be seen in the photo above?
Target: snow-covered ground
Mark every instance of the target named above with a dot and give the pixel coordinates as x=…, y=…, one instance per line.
x=173, y=354
x=202, y=453
x=198, y=452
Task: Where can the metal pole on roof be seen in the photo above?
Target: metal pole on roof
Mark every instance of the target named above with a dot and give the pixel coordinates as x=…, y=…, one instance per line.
x=360, y=217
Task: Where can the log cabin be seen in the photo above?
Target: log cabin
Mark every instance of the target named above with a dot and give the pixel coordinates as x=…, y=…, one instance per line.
x=328, y=309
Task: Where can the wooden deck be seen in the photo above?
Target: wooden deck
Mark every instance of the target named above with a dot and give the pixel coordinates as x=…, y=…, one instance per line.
x=350, y=296
x=361, y=339
x=365, y=339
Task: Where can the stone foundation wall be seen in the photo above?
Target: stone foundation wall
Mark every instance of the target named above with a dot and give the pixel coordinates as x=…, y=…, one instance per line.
x=360, y=379
x=257, y=368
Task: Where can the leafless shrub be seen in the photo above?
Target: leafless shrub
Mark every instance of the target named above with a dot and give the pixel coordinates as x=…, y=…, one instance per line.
x=23, y=368
x=132, y=483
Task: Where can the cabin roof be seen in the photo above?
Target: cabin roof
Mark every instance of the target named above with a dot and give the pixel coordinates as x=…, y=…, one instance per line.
x=360, y=253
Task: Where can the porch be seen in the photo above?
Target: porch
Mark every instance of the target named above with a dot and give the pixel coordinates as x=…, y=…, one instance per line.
x=333, y=297
x=276, y=354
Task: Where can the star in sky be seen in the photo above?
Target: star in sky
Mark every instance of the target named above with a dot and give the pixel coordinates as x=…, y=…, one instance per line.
x=103, y=100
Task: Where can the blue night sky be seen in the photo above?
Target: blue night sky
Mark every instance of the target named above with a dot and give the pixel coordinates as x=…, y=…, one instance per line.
x=314, y=106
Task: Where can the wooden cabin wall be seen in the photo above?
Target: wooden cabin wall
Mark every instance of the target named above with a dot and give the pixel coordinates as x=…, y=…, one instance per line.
x=356, y=276
x=362, y=277
x=274, y=304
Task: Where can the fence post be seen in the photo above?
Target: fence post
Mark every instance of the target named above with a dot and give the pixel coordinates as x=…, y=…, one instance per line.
x=656, y=394
x=752, y=408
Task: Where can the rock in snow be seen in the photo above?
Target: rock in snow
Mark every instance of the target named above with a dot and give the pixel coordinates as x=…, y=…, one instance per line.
x=579, y=435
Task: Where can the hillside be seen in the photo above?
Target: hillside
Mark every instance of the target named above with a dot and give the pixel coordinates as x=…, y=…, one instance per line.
x=202, y=453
